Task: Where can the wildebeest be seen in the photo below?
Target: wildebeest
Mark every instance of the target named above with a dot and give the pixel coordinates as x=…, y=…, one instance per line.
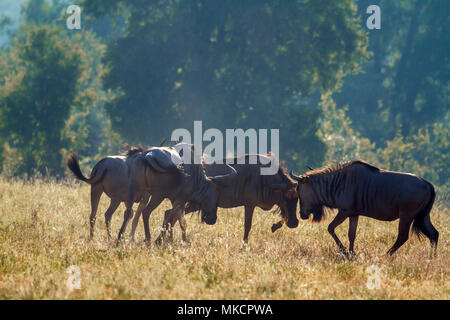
x=110, y=176
x=359, y=188
x=251, y=189
x=154, y=172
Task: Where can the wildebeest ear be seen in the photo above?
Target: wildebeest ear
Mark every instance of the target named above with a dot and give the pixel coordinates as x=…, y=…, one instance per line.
x=162, y=142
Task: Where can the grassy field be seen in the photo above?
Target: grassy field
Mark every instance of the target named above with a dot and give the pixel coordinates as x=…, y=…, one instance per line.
x=44, y=230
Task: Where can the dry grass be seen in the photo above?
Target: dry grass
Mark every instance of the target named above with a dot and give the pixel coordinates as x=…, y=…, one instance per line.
x=44, y=230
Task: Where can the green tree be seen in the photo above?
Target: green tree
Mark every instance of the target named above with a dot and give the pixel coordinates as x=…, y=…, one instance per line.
x=343, y=142
x=228, y=63
x=35, y=101
x=40, y=12
x=404, y=85
x=87, y=129
x=425, y=153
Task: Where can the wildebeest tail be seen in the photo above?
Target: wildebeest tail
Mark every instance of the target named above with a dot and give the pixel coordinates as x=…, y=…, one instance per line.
x=419, y=225
x=74, y=166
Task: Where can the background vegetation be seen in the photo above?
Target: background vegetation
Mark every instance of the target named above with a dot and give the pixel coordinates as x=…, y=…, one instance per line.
x=137, y=70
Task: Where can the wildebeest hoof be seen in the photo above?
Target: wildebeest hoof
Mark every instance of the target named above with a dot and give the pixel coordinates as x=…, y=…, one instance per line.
x=275, y=227
x=210, y=222
x=158, y=241
x=351, y=255
x=292, y=224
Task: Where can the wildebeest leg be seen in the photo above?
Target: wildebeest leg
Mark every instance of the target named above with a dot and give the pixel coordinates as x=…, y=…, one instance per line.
x=127, y=215
x=154, y=202
x=108, y=214
x=165, y=226
x=170, y=222
x=179, y=216
x=248, y=221
x=278, y=225
x=427, y=228
x=353, y=224
x=340, y=217
x=135, y=222
x=403, y=233
x=170, y=218
x=431, y=233
x=175, y=216
x=183, y=226
x=96, y=193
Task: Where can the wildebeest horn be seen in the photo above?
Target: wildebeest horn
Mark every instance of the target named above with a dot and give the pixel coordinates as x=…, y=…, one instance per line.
x=309, y=168
x=293, y=176
x=226, y=178
x=162, y=143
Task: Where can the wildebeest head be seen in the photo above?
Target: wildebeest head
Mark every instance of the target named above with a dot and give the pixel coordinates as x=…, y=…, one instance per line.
x=205, y=190
x=289, y=207
x=307, y=199
x=208, y=203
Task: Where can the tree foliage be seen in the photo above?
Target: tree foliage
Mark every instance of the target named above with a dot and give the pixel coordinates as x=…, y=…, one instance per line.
x=405, y=84
x=425, y=153
x=86, y=128
x=230, y=64
x=139, y=69
x=36, y=99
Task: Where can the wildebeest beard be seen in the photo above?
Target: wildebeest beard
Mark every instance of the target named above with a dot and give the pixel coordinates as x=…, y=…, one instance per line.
x=318, y=213
x=291, y=209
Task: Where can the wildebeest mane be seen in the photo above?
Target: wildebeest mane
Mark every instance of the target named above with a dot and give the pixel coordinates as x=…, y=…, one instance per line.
x=132, y=150
x=325, y=179
x=340, y=166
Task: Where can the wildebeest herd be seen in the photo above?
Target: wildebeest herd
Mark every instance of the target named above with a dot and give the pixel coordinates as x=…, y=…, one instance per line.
x=148, y=176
